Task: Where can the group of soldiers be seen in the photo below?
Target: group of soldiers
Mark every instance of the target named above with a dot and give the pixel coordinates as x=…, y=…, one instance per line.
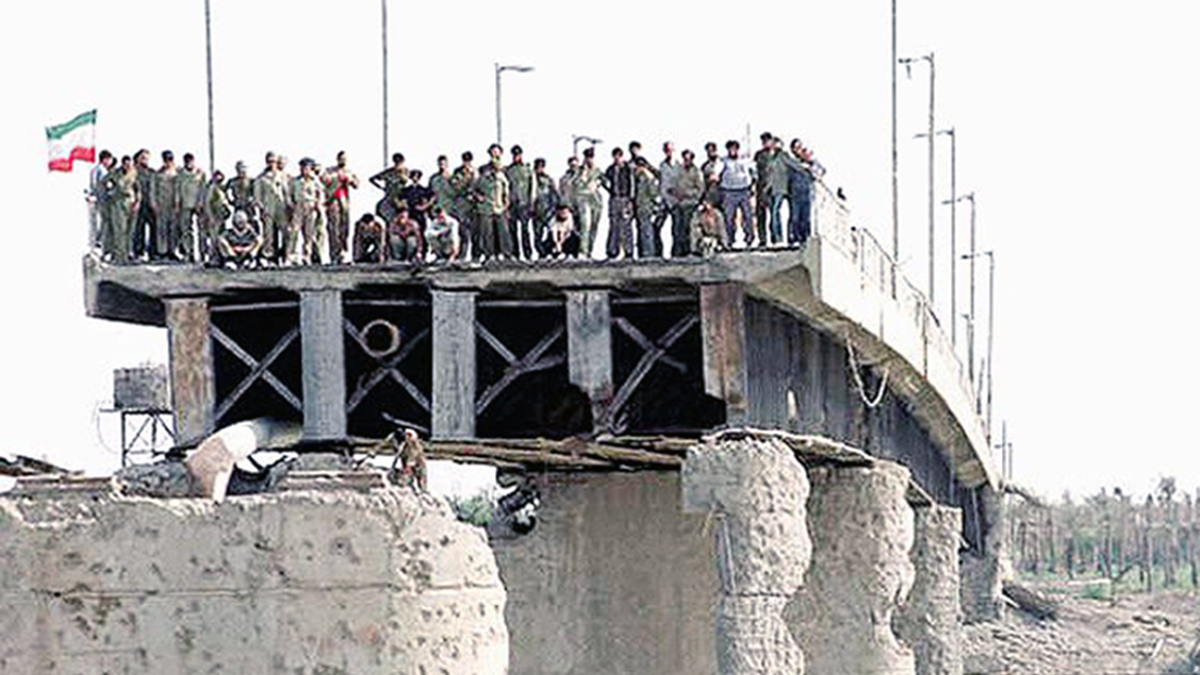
x=495, y=211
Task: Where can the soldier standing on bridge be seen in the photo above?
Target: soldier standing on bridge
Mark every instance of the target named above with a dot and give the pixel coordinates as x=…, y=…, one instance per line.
x=689, y=187
x=307, y=244
x=492, y=199
x=189, y=186
x=439, y=182
x=164, y=202
x=736, y=179
x=800, y=183
x=647, y=207
x=123, y=198
x=618, y=180
x=520, y=183
x=240, y=191
x=668, y=173
x=770, y=189
x=545, y=204
x=462, y=185
x=97, y=197
x=339, y=180
x=143, y=220
x=269, y=195
x=215, y=211
x=711, y=169
x=587, y=201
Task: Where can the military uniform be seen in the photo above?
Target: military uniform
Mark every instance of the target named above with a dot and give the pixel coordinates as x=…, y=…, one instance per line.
x=688, y=190
x=493, y=197
x=189, y=189
x=123, y=197
x=708, y=232
x=770, y=189
x=144, y=222
x=462, y=184
x=306, y=236
x=545, y=202
x=443, y=192
x=241, y=195
x=647, y=207
x=165, y=207
x=587, y=200
x=520, y=183
x=711, y=170
x=270, y=196
x=217, y=210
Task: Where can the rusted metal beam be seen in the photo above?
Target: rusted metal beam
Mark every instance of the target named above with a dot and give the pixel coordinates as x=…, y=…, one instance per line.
x=256, y=371
x=388, y=366
x=531, y=362
x=649, y=358
x=266, y=375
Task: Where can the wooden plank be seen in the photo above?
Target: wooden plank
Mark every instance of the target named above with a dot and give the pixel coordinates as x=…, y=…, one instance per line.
x=453, y=399
x=589, y=347
x=193, y=387
x=323, y=364
x=723, y=331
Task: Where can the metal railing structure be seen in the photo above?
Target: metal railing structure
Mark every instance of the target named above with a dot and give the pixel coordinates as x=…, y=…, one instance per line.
x=879, y=272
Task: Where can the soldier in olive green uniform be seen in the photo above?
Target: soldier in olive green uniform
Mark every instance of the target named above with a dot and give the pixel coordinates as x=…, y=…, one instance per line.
x=770, y=189
x=587, y=197
x=493, y=198
x=545, y=202
x=443, y=192
x=306, y=234
x=462, y=184
x=215, y=211
x=688, y=190
x=520, y=183
x=165, y=207
x=269, y=196
x=189, y=190
x=711, y=168
x=568, y=187
x=240, y=191
x=647, y=203
x=123, y=202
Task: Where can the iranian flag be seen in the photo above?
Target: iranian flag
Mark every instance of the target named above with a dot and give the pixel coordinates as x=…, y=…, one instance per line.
x=71, y=141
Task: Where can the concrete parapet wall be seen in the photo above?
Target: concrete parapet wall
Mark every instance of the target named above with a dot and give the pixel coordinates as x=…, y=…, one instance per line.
x=302, y=583
x=614, y=579
x=862, y=532
x=931, y=619
x=754, y=492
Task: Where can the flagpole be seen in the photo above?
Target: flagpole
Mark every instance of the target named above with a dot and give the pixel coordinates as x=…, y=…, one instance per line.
x=212, y=153
x=383, y=25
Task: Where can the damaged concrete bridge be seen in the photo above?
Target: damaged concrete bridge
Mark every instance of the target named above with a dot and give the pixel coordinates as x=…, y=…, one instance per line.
x=743, y=463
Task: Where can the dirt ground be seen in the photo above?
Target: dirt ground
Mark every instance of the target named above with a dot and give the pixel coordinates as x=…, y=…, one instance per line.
x=1135, y=634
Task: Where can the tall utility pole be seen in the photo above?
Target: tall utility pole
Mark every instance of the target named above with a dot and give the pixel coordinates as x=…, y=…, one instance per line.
x=971, y=308
x=212, y=151
x=383, y=22
x=895, y=165
x=953, y=234
x=500, y=69
x=930, y=135
x=991, y=332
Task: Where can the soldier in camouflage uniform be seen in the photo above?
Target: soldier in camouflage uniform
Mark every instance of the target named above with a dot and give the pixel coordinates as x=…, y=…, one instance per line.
x=520, y=183
x=189, y=190
x=306, y=236
x=647, y=205
x=339, y=180
x=443, y=192
x=462, y=185
x=688, y=191
x=270, y=198
x=493, y=197
x=545, y=203
x=587, y=199
x=123, y=198
x=165, y=205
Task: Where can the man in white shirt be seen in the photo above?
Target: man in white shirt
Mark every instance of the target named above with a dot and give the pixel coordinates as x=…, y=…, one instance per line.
x=736, y=179
x=441, y=236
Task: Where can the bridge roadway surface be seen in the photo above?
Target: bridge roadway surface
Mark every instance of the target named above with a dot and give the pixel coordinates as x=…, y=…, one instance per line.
x=841, y=282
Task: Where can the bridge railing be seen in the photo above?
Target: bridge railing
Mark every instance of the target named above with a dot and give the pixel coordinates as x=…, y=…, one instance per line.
x=878, y=271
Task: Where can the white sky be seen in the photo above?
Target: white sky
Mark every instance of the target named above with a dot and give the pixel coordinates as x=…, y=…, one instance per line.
x=1076, y=129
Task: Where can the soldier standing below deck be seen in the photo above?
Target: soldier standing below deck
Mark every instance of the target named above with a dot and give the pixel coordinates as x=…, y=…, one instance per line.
x=339, y=180
x=587, y=200
x=443, y=192
x=189, y=188
x=96, y=196
x=688, y=192
x=272, y=204
x=306, y=238
x=520, y=184
x=143, y=221
x=493, y=197
x=462, y=186
x=165, y=205
x=647, y=207
x=668, y=172
x=618, y=180
x=123, y=202
x=770, y=189
x=545, y=203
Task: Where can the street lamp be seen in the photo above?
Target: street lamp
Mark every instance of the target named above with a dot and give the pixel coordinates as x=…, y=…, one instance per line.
x=991, y=332
x=501, y=69
x=953, y=231
x=971, y=336
x=575, y=139
x=907, y=63
x=212, y=153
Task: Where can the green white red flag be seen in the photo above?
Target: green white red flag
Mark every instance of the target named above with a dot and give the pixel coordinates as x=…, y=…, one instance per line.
x=74, y=140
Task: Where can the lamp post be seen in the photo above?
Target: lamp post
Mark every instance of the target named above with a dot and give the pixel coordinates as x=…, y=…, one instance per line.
x=953, y=233
x=212, y=152
x=575, y=139
x=991, y=328
x=907, y=62
x=895, y=165
x=971, y=335
x=383, y=22
x=500, y=69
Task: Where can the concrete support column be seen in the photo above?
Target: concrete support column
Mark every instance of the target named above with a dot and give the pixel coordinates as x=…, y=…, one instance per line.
x=753, y=492
x=193, y=389
x=723, y=335
x=862, y=534
x=931, y=619
x=589, y=349
x=323, y=364
x=453, y=364
x=983, y=572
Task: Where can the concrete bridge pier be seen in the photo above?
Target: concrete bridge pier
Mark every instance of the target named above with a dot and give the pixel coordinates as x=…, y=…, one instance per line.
x=193, y=389
x=753, y=492
x=862, y=533
x=931, y=620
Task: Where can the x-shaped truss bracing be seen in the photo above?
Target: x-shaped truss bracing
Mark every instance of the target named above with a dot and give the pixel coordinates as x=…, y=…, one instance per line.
x=654, y=351
x=258, y=369
x=530, y=363
x=388, y=366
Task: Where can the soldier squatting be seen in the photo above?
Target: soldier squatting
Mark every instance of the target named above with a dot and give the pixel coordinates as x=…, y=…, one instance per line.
x=492, y=212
